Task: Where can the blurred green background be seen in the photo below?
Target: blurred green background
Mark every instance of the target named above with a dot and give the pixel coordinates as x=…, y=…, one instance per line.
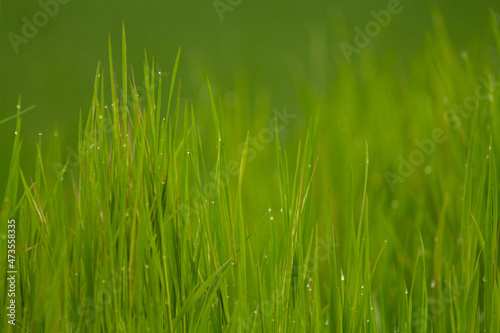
x=254, y=56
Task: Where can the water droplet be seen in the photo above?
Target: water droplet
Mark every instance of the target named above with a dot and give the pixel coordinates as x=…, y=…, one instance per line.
x=159, y=73
x=103, y=281
x=433, y=284
x=484, y=278
x=406, y=291
x=146, y=266
x=428, y=170
x=269, y=209
x=265, y=256
x=463, y=55
x=40, y=134
x=15, y=132
x=100, y=116
x=56, y=134
x=281, y=210
x=307, y=285
x=342, y=278
x=362, y=286
x=76, y=273
x=188, y=152
x=368, y=320
x=310, y=289
x=309, y=165
x=310, y=279
x=272, y=218
x=326, y=322
x=490, y=98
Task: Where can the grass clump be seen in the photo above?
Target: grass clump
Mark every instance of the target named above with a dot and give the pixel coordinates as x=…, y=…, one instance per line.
x=151, y=231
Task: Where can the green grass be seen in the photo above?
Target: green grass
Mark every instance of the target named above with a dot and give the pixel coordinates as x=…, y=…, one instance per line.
x=174, y=219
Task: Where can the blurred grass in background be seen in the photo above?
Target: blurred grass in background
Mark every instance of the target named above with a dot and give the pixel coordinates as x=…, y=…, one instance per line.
x=260, y=49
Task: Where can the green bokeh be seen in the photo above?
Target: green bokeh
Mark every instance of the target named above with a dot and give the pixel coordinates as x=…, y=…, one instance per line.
x=258, y=46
